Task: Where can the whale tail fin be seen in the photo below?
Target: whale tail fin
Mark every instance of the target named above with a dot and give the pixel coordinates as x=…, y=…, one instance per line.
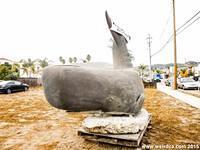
x=121, y=56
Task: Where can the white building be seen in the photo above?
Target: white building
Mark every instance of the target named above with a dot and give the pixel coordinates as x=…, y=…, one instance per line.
x=6, y=61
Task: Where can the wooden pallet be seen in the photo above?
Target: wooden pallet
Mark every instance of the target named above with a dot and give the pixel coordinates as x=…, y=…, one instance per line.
x=130, y=140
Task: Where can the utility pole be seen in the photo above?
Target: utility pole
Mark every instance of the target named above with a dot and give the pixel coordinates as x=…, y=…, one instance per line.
x=175, y=63
x=149, y=38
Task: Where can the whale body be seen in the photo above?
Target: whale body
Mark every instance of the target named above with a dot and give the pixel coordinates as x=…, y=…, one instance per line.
x=80, y=88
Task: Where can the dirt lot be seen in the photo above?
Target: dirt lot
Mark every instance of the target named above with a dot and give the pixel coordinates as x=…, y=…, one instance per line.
x=27, y=121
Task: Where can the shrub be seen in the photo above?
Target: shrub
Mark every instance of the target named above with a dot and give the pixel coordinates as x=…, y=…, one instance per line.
x=7, y=73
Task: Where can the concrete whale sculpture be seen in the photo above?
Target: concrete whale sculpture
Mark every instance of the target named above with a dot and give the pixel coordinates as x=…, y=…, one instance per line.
x=82, y=88
x=76, y=88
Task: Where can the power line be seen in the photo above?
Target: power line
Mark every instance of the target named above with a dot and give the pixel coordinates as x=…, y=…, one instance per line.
x=188, y=21
x=169, y=40
x=188, y=26
x=164, y=29
x=177, y=31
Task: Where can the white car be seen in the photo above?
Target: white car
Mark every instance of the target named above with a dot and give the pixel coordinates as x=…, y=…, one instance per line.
x=187, y=83
x=199, y=85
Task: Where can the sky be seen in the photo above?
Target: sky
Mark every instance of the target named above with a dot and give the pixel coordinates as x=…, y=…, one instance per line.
x=68, y=28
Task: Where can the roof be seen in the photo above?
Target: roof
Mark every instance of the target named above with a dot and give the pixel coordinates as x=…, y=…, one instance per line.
x=6, y=59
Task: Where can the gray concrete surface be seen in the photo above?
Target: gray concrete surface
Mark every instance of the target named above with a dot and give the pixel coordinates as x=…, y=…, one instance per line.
x=117, y=124
x=191, y=100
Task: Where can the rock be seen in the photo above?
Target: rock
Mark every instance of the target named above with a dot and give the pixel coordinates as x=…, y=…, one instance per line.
x=117, y=125
x=75, y=88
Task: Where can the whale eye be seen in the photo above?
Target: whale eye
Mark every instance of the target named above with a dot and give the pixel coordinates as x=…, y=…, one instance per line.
x=138, y=98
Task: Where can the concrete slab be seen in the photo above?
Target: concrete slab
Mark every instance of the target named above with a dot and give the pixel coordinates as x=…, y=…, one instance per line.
x=121, y=137
x=117, y=124
x=189, y=99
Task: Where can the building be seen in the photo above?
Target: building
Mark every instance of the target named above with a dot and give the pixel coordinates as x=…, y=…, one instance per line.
x=6, y=61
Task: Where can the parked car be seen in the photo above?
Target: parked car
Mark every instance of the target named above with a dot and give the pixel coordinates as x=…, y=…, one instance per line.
x=187, y=83
x=169, y=81
x=157, y=80
x=12, y=86
x=199, y=86
x=196, y=78
x=147, y=79
x=157, y=77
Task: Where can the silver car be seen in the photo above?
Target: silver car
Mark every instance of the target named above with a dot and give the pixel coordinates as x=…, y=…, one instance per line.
x=187, y=83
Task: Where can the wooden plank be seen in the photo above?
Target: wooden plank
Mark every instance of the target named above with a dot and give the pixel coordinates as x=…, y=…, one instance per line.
x=143, y=131
x=130, y=137
x=118, y=114
x=131, y=140
x=111, y=141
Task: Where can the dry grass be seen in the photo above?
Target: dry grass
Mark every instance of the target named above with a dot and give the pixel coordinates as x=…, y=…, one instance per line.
x=173, y=122
x=27, y=121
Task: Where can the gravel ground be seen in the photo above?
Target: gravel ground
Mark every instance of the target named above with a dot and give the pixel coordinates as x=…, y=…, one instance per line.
x=27, y=121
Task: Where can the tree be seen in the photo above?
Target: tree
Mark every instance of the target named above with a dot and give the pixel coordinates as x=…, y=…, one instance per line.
x=75, y=59
x=25, y=70
x=158, y=71
x=84, y=61
x=190, y=72
x=70, y=60
x=28, y=66
x=62, y=60
x=43, y=62
x=130, y=55
x=27, y=62
x=8, y=73
x=184, y=72
x=88, y=58
x=15, y=67
x=141, y=68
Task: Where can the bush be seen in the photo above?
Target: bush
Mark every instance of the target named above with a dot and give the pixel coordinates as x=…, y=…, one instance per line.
x=6, y=73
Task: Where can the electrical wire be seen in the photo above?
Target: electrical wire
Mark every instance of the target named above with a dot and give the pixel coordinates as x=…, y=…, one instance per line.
x=164, y=29
x=188, y=21
x=188, y=26
x=178, y=31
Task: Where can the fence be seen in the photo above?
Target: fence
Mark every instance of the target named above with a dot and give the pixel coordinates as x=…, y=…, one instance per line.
x=31, y=81
x=150, y=84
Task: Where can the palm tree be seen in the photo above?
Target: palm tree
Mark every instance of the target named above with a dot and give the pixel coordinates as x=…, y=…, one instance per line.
x=62, y=60
x=43, y=62
x=28, y=62
x=75, y=59
x=141, y=68
x=28, y=66
x=88, y=58
x=130, y=55
x=32, y=69
x=25, y=70
x=84, y=61
x=70, y=60
x=15, y=67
